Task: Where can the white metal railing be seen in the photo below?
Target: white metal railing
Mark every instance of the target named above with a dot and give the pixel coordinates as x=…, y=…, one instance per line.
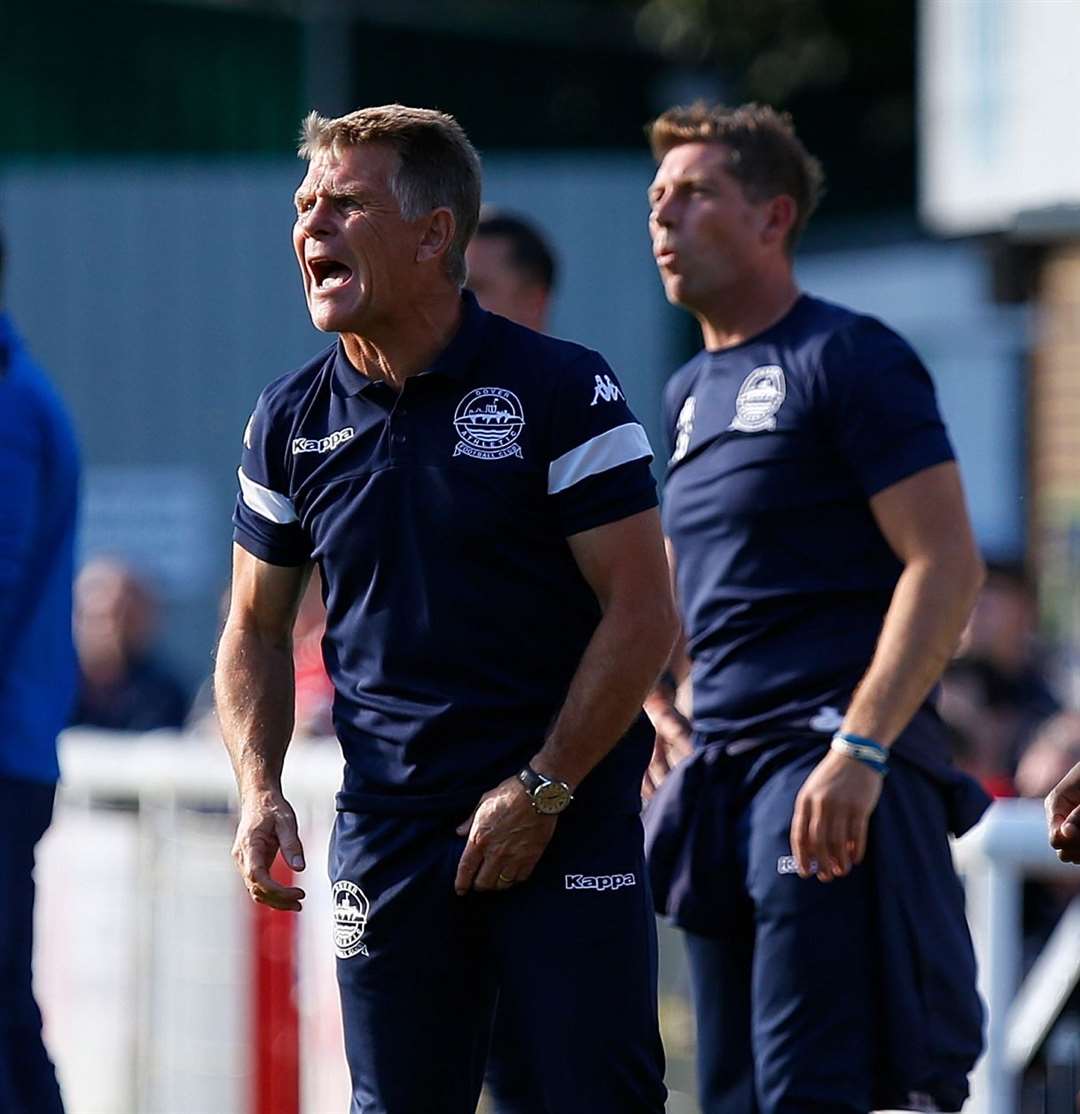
x=145, y=943
x=994, y=858
x=171, y=776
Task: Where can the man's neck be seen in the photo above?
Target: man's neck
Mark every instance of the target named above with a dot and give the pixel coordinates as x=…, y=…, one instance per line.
x=394, y=350
x=747, y=310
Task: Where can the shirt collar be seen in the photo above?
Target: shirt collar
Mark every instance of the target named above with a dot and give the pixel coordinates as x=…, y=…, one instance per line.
x=452, y=362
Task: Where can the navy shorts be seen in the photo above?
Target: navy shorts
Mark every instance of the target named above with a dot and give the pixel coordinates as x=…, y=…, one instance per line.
x=569, y=955
x=811, y=997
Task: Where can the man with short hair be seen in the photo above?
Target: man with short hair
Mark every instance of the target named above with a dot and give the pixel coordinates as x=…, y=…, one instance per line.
x=825, y=568
x=497, y=607
x=511, y=269
x=39, y=481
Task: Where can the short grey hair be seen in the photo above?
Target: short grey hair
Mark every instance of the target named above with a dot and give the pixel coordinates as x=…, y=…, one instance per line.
x=438, y=166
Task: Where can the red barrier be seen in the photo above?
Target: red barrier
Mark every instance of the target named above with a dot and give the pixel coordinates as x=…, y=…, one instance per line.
x=276, y=1021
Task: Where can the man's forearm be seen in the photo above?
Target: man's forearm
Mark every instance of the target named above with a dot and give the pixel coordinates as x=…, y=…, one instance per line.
x=930, y=605
x=254, y=693
x=629, y=648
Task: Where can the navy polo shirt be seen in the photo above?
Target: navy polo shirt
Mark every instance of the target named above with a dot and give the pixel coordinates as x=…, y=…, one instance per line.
x=439, y=516
x=783, y=575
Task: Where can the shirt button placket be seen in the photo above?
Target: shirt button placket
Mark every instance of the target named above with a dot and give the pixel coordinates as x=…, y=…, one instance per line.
x=398, y=439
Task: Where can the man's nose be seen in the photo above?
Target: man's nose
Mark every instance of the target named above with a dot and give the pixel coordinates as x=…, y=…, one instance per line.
x=663, y=212
x=316, y=221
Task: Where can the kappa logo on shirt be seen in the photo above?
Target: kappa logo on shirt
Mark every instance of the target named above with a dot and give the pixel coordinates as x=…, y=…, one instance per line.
x=350, y=919
x=323, y=444
x=599, y=882
x=607, y=390
x=761, y=395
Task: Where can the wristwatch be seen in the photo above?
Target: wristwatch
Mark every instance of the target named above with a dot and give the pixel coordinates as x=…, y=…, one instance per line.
x=548, y=797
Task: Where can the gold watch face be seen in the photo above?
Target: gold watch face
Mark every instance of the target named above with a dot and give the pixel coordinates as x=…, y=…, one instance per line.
x=551, y=798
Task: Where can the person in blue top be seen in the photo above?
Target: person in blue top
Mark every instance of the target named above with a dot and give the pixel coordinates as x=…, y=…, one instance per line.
x=478, y=499
x=824, y=568
x=39, y=484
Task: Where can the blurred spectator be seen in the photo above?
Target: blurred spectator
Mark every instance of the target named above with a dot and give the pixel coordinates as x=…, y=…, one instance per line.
x=39, y=479
x=121, y=685
x=996, y=693
x=1051, y=754
x=511, y=269
x=1053, y=751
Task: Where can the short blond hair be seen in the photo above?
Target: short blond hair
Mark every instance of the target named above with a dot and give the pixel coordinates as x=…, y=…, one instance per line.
x=438, y=166
x=767, y=157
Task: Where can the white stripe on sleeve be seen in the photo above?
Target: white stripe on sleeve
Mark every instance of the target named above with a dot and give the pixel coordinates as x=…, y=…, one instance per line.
x=269, y=504
x=606, y=450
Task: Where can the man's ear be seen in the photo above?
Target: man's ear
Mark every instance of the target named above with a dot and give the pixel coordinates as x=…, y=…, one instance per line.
x=780, y=214
x=438, y=235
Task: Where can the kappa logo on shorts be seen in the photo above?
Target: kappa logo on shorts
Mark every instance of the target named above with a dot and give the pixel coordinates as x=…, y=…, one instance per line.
x=350, y=919
x=827, y=719
x=599, y=882
x=920, y=1100
x=489, y=421
x=761, y=395
x=786, y=864
x=323, y=444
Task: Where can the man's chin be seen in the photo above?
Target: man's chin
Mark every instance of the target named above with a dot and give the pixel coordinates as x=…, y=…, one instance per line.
x=328, y=319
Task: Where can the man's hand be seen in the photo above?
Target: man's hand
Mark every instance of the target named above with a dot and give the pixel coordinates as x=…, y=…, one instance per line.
x=267, y=825
x=832, y=814
x=507, y=836
x=672, y=741
x=1063, y=816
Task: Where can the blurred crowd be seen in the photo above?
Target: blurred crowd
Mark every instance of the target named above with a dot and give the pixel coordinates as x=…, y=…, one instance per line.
x=999, y=696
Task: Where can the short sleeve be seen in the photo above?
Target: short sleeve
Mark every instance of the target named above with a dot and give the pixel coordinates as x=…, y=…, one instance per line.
x=265, y=518
x=882, y=407
x=598, y=454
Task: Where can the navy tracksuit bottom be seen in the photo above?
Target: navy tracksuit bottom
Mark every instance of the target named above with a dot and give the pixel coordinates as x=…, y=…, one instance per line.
x=819, y=998
x=27, y=1078
x=569, y=957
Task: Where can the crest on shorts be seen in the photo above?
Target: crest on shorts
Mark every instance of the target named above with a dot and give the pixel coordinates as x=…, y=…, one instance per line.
x=350, y=919
x=761, y=395
x=488, y=421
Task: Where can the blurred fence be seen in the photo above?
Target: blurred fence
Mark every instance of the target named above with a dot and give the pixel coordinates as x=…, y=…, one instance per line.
x=147, y=941
x=147, y=948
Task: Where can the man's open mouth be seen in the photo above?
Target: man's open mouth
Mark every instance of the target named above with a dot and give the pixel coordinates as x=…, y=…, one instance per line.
x=329, y=273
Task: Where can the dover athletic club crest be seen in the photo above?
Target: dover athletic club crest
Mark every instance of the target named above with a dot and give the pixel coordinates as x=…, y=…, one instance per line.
x=760, y=397
x=488, y=421
x=350, y=919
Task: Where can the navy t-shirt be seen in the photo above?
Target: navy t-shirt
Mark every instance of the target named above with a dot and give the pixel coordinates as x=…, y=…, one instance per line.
x=439, y=518
x=777, y=445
